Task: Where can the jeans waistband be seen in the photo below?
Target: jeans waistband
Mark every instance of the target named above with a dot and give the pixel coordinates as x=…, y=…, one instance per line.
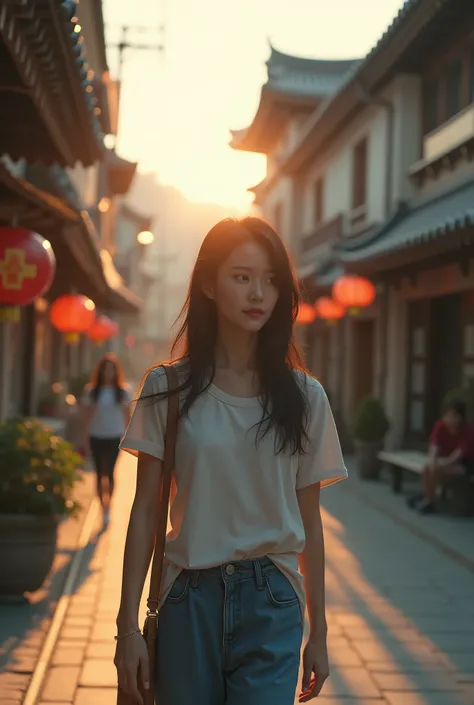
x=234, y=571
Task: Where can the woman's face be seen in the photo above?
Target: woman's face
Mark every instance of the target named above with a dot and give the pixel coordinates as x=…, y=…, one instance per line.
x=244, y=292
x=108, y=372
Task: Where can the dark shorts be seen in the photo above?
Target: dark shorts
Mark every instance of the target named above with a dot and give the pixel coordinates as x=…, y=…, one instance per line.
x=104, y=453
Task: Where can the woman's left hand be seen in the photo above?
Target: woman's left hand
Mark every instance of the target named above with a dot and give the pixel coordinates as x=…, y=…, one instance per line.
x=315, y=661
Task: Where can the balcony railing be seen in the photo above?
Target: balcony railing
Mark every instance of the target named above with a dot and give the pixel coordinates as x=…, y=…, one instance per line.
x=451, y=134
x=326, y=232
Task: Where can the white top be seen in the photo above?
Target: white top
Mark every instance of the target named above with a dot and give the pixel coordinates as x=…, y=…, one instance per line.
x=233, y=500
x=108, y=417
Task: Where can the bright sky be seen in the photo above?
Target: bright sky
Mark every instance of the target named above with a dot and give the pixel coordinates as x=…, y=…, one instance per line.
x=177, y=109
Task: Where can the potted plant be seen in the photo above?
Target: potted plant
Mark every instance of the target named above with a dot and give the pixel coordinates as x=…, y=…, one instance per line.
x=39, y=471
x=369, y=429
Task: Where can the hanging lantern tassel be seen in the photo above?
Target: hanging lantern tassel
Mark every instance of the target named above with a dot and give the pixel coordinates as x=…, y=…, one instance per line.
x=72, y=314
x=354, y=292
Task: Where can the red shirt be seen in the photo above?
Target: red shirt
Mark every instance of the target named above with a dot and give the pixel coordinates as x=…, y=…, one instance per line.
x=448, y=442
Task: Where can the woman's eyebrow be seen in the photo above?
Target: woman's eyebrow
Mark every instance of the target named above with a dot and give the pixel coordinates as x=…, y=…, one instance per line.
x=250, y=269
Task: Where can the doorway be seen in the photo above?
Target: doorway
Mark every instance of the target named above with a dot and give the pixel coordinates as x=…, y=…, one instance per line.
x=363, y=360
x=447, y=350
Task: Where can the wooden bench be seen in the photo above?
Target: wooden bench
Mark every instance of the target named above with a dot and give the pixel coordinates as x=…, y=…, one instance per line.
x=413, y=461
x=461, y=489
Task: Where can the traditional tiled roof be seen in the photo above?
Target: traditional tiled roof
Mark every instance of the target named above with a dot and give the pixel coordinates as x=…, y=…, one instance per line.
x=302, y=76
x=366, y=76
x=441, y=219
x=48, y=103
x=294, y=84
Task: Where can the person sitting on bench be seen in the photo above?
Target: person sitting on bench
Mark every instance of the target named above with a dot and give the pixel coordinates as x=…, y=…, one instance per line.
x=451, y=454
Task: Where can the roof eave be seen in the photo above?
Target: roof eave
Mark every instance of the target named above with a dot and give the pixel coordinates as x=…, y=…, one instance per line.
x=370, y=75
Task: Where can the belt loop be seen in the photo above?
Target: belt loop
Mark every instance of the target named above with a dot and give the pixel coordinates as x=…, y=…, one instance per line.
x=258, y=575
x=194, y=578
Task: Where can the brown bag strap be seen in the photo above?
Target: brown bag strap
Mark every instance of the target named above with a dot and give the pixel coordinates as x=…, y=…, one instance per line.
x=165, y=487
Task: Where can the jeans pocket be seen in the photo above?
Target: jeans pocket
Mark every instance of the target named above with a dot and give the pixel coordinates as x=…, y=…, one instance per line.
x=179, y=589
x=280, y=591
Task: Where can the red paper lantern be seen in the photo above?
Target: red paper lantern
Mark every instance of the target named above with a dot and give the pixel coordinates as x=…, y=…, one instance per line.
x=27, y=267
x=329, y=309
x=306, y=314
x=103, y=328
x=72, y=314
x=354, y=292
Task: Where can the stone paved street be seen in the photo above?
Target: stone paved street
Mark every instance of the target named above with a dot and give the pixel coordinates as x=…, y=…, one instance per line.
x=401, y=613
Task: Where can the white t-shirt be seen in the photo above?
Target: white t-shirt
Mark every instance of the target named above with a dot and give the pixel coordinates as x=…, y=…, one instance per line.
x=108, y=417
x=235, y=500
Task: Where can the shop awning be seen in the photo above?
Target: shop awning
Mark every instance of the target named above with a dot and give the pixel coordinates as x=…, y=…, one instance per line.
x=423, y=229
x=80, y=262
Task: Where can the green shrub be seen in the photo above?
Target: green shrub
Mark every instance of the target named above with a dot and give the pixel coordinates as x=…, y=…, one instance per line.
x=39, y=470
x=370, y=422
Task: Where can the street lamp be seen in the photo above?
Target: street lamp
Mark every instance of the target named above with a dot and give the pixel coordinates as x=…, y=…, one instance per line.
x=145, y=237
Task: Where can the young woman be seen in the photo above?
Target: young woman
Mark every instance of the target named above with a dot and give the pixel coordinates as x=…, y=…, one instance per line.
x=256, y=442
x=106, y=415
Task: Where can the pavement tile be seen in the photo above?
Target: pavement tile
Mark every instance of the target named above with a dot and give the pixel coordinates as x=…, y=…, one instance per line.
x=71, y=643
x=99, y=673
x=382, y=650
x=61, y=683
x=96, y=696
x=366, y=633
x=455, y=643
x=421, y=681
x=463, y=662
x=73, y=633
x=23, y=660
x=446, y=698
x=13, y=682
x=78, y=620
x=101, y=649
x=68, y=657
x=104, y=631
x=354, y=682
x=344, y=657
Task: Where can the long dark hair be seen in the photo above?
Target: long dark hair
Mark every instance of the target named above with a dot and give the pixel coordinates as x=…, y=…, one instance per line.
x=285, y=405
x=97, y=378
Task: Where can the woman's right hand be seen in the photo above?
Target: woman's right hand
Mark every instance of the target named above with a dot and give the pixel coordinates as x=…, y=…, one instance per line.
x=131, y=662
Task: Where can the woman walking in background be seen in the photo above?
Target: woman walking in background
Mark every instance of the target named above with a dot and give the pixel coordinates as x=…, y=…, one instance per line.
x=256, y=442
x=106, y=416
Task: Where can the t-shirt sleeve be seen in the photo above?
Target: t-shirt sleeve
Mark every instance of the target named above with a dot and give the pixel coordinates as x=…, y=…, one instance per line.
x=323, y=461
x=436, y=433
x=146, y=429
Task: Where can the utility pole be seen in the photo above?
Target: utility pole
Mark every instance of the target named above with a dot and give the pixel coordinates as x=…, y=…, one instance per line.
x=125, y=44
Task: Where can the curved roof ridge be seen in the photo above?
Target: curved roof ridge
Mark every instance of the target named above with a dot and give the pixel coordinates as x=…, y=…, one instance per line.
x=278, y=57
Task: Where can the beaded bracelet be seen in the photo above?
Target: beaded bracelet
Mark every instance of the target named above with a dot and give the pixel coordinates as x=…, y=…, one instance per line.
x=121, y=636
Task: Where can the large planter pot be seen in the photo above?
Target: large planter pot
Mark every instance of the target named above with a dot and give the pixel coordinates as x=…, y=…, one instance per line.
x=27, y=549
x=368, y=464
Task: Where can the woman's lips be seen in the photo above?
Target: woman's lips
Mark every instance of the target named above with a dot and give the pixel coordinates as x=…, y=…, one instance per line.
x=254, y=312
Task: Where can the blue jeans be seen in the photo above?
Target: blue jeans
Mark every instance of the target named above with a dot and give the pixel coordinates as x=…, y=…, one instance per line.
x=229, y=635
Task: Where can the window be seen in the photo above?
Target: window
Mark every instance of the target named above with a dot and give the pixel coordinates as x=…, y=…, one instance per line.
x=359, y=175
x=453, y=89
x=318, y=201
x=430, y=106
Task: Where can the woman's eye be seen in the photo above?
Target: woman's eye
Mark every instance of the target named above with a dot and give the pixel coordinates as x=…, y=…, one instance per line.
x=242, y=277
